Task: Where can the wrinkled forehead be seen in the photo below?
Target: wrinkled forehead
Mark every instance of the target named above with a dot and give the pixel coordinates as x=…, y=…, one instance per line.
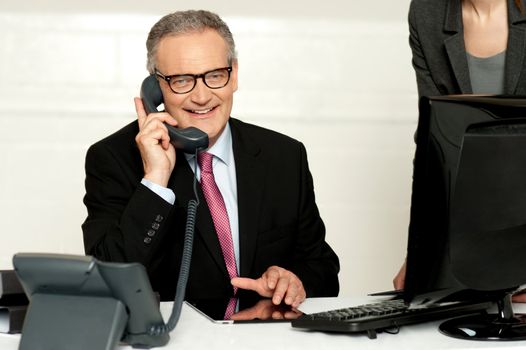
x=194, y=50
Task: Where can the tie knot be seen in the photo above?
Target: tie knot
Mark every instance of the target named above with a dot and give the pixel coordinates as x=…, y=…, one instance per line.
x=205, y=161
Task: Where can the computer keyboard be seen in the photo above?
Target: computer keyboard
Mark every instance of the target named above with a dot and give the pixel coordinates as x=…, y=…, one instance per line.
x=386, y=315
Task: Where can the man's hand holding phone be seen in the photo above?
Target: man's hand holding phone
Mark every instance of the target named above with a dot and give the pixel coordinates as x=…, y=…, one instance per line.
x=157, y=153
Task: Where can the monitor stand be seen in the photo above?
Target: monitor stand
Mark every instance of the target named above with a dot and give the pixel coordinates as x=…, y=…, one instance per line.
x=505, y=325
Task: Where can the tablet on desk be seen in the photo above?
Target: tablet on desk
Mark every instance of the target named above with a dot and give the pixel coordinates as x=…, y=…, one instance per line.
x=252, y=311
x=396, y=293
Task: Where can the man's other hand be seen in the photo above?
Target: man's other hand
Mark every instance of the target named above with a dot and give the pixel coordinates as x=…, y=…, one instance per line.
x=276, y=283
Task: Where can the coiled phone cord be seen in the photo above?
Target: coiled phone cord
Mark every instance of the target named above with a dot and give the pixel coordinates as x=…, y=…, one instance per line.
x=186, y=258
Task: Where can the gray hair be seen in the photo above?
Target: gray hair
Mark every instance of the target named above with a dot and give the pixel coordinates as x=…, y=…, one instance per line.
x=184, y=22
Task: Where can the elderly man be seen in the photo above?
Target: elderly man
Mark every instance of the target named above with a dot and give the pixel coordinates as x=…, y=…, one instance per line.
x=262, y=230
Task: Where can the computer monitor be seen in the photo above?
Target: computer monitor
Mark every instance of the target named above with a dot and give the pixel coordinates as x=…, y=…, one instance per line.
x=467, y=231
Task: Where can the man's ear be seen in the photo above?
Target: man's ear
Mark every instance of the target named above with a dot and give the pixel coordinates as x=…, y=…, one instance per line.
x=233, y=75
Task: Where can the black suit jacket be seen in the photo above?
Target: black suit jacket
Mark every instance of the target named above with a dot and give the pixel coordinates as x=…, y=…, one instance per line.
x=436, y=38
x=279, y=222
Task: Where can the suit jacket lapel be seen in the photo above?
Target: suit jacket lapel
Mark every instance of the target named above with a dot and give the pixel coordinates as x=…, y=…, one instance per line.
x=516, y=48
x=181, y=183
x=250, y=173
x=455, y=47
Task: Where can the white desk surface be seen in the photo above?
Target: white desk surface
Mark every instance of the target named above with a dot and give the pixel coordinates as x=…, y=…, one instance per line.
x=196, y=332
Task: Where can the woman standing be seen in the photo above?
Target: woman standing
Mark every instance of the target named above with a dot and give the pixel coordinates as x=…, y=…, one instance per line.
x=468, y=46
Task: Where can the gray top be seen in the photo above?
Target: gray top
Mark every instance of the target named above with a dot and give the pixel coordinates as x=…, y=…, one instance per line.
x=487, y=74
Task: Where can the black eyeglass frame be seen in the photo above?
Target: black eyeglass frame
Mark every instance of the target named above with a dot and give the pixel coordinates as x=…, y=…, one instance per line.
x=167, y=78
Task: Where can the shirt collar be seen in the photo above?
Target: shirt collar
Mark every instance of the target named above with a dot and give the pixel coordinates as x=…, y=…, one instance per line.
x=222, y=148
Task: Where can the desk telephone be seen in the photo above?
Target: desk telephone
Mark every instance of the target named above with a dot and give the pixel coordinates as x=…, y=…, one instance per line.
x=190, y=139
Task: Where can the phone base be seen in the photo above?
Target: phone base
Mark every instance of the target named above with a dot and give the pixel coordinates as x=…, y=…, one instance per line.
x=63, y=322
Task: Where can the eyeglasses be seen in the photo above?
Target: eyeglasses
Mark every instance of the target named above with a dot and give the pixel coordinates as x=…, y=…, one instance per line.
x=184, y=83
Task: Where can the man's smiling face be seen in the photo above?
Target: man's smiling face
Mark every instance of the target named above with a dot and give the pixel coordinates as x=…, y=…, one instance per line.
x=197, y=53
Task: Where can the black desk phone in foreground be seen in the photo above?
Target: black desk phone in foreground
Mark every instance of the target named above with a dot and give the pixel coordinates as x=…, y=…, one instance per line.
x=189, y=139
x=83, y=303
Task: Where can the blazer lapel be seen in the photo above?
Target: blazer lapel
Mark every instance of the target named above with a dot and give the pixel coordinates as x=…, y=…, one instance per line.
x=516, y=48
x=181, y=183
x=455, y=47
x=250, y=174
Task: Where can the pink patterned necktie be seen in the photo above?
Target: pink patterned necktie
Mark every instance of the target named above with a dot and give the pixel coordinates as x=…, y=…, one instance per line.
x=217, y=207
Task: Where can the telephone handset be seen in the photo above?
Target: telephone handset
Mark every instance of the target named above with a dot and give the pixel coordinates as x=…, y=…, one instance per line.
x=189, y=139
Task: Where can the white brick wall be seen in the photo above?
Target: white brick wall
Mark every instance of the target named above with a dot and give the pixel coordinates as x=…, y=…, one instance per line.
x=343, y=86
